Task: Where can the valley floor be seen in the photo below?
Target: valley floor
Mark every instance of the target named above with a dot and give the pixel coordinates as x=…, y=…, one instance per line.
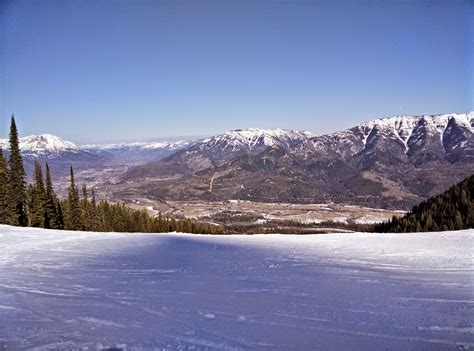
x=65, y=290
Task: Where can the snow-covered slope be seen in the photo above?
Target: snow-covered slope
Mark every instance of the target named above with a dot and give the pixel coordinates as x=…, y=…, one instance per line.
x=73, y=290
x=43, y=145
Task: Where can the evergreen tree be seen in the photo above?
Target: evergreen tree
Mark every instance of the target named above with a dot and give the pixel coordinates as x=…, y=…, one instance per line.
x=17, y=198
x=41, y=193
x=61, y=220
x=52, y=219
x=73, y=215
x=37, y=199
x=4, y=190
x=93, y=219
x=458, y=221
x=30, y=206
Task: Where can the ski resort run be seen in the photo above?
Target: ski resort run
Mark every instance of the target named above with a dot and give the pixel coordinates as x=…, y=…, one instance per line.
x=78, y=290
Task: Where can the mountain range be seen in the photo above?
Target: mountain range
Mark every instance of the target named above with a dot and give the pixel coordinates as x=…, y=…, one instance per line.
x=389, y=162
x=137, y=152
x=218, y=150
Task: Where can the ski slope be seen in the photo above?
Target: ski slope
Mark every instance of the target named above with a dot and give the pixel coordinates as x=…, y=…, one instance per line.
x=74, y=290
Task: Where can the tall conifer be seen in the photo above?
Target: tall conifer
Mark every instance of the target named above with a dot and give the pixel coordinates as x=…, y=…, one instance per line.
x=73, y=220
x=4, y=190
x=17, y=198
x=86, y=208
x=52, y=219
x=37, y=199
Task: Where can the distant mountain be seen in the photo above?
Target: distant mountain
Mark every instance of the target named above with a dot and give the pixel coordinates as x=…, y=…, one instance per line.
x=58, y=152
x=45, y=145
x=138, y=152
x=216, y=150
x=390, y=162
x=61, y=154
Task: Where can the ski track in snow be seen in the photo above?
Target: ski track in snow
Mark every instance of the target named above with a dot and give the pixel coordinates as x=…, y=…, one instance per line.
x=64, y=290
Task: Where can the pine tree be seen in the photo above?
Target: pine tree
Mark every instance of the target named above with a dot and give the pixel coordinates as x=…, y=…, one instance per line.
x=458, y=222
x=93, y=200
x=73, y=220
x=95, y=224
x=17, y=198
x=86, y=209
x=30, y=206
x=52, y=220
x=4, y=190
x=37, y=199
x=61, y=221
x=161, y=223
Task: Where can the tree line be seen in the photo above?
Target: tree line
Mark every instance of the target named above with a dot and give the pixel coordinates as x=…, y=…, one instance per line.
x=37, y=205
x=451, y=210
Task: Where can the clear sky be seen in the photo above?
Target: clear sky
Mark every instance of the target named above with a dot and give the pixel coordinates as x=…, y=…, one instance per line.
x=110, y=70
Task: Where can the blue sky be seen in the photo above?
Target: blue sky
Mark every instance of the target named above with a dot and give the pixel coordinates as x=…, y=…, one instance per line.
x=109, y=70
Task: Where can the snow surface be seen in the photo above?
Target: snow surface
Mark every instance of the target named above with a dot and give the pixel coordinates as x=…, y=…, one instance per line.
x=65, y=290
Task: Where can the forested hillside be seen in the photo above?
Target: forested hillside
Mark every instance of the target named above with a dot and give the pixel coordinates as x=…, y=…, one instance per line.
x=452, y=210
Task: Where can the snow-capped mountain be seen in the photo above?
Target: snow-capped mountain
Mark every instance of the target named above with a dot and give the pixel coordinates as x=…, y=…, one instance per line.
x=120, y=147
x=58, y=152
x=254, y=139
x=216, y=150
x=43, y=145
x=390, y=162
x=137, y=152
x=413, y=136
